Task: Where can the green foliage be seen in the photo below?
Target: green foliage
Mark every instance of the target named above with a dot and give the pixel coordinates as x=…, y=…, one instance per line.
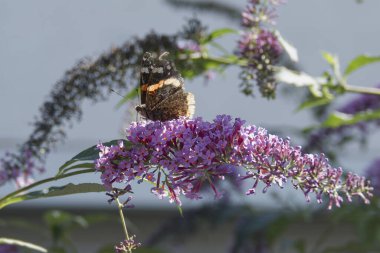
x=217, y=34
x=333, y=61
x=89, y=154
x=54, y=191
x=339, y=119
x=359, y=62
x=301, y=79
x=314, y=102
x=70, y=168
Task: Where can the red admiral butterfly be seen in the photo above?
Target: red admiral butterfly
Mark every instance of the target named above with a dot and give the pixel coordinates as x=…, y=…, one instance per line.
x=163, y=96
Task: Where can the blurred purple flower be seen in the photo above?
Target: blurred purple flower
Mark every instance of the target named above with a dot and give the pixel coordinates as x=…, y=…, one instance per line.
x=209, y=76
x=361, y=103
x=373, y=173
x=260, y=12
x=188, y=45
x=184, y=154
x=7, y=248
x=19, y=169
x=259, y=47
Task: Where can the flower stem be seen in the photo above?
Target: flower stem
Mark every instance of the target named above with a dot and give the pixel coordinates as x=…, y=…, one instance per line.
x=120, y=206
x=366, y=90
x=226, y=60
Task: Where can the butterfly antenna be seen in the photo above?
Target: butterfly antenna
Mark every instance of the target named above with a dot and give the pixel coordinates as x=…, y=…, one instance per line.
x=117, y=93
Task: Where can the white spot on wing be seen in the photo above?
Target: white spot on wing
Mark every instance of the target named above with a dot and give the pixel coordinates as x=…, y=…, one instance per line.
x=173, y=81
x=158, y=70
x=144, y=70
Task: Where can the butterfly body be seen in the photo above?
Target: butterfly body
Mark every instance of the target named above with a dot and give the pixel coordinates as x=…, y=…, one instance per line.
x=163, y=96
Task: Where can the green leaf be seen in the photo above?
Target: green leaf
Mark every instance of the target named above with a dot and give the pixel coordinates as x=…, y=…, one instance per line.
x=314, y=102
x=218, y=33
x=201, y=65
x=339, y=119
x=131, y=95
x=55, y=191
x=299, y=79
x=289, y=49
x=359, y=62
x=76, y=167
x=23, y=244
x=89, y=154
x=219, y=47
x=331, y=59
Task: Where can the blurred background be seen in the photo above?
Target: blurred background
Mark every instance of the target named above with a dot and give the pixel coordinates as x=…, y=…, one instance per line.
x=40, y=40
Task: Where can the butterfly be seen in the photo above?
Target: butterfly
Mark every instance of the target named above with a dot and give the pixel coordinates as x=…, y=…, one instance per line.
x=163, y=96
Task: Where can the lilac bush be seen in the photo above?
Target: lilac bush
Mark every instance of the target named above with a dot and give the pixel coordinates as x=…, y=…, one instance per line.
x=181, y=155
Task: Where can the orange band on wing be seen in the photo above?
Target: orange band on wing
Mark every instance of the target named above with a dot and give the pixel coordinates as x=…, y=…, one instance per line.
x=152, y=88
x=144, y=87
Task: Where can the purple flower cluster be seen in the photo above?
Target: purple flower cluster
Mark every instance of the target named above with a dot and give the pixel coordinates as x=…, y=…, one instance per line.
x=260, y=47
x=179, y=156
x=259, y=12
x=362, y=103
x=20, y=169
x=373, y=173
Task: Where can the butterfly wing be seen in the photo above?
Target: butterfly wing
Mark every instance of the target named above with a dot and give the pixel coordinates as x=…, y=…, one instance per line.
x=145, y=74
x=168, y=101
x=162, y=90
x=155, y=70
